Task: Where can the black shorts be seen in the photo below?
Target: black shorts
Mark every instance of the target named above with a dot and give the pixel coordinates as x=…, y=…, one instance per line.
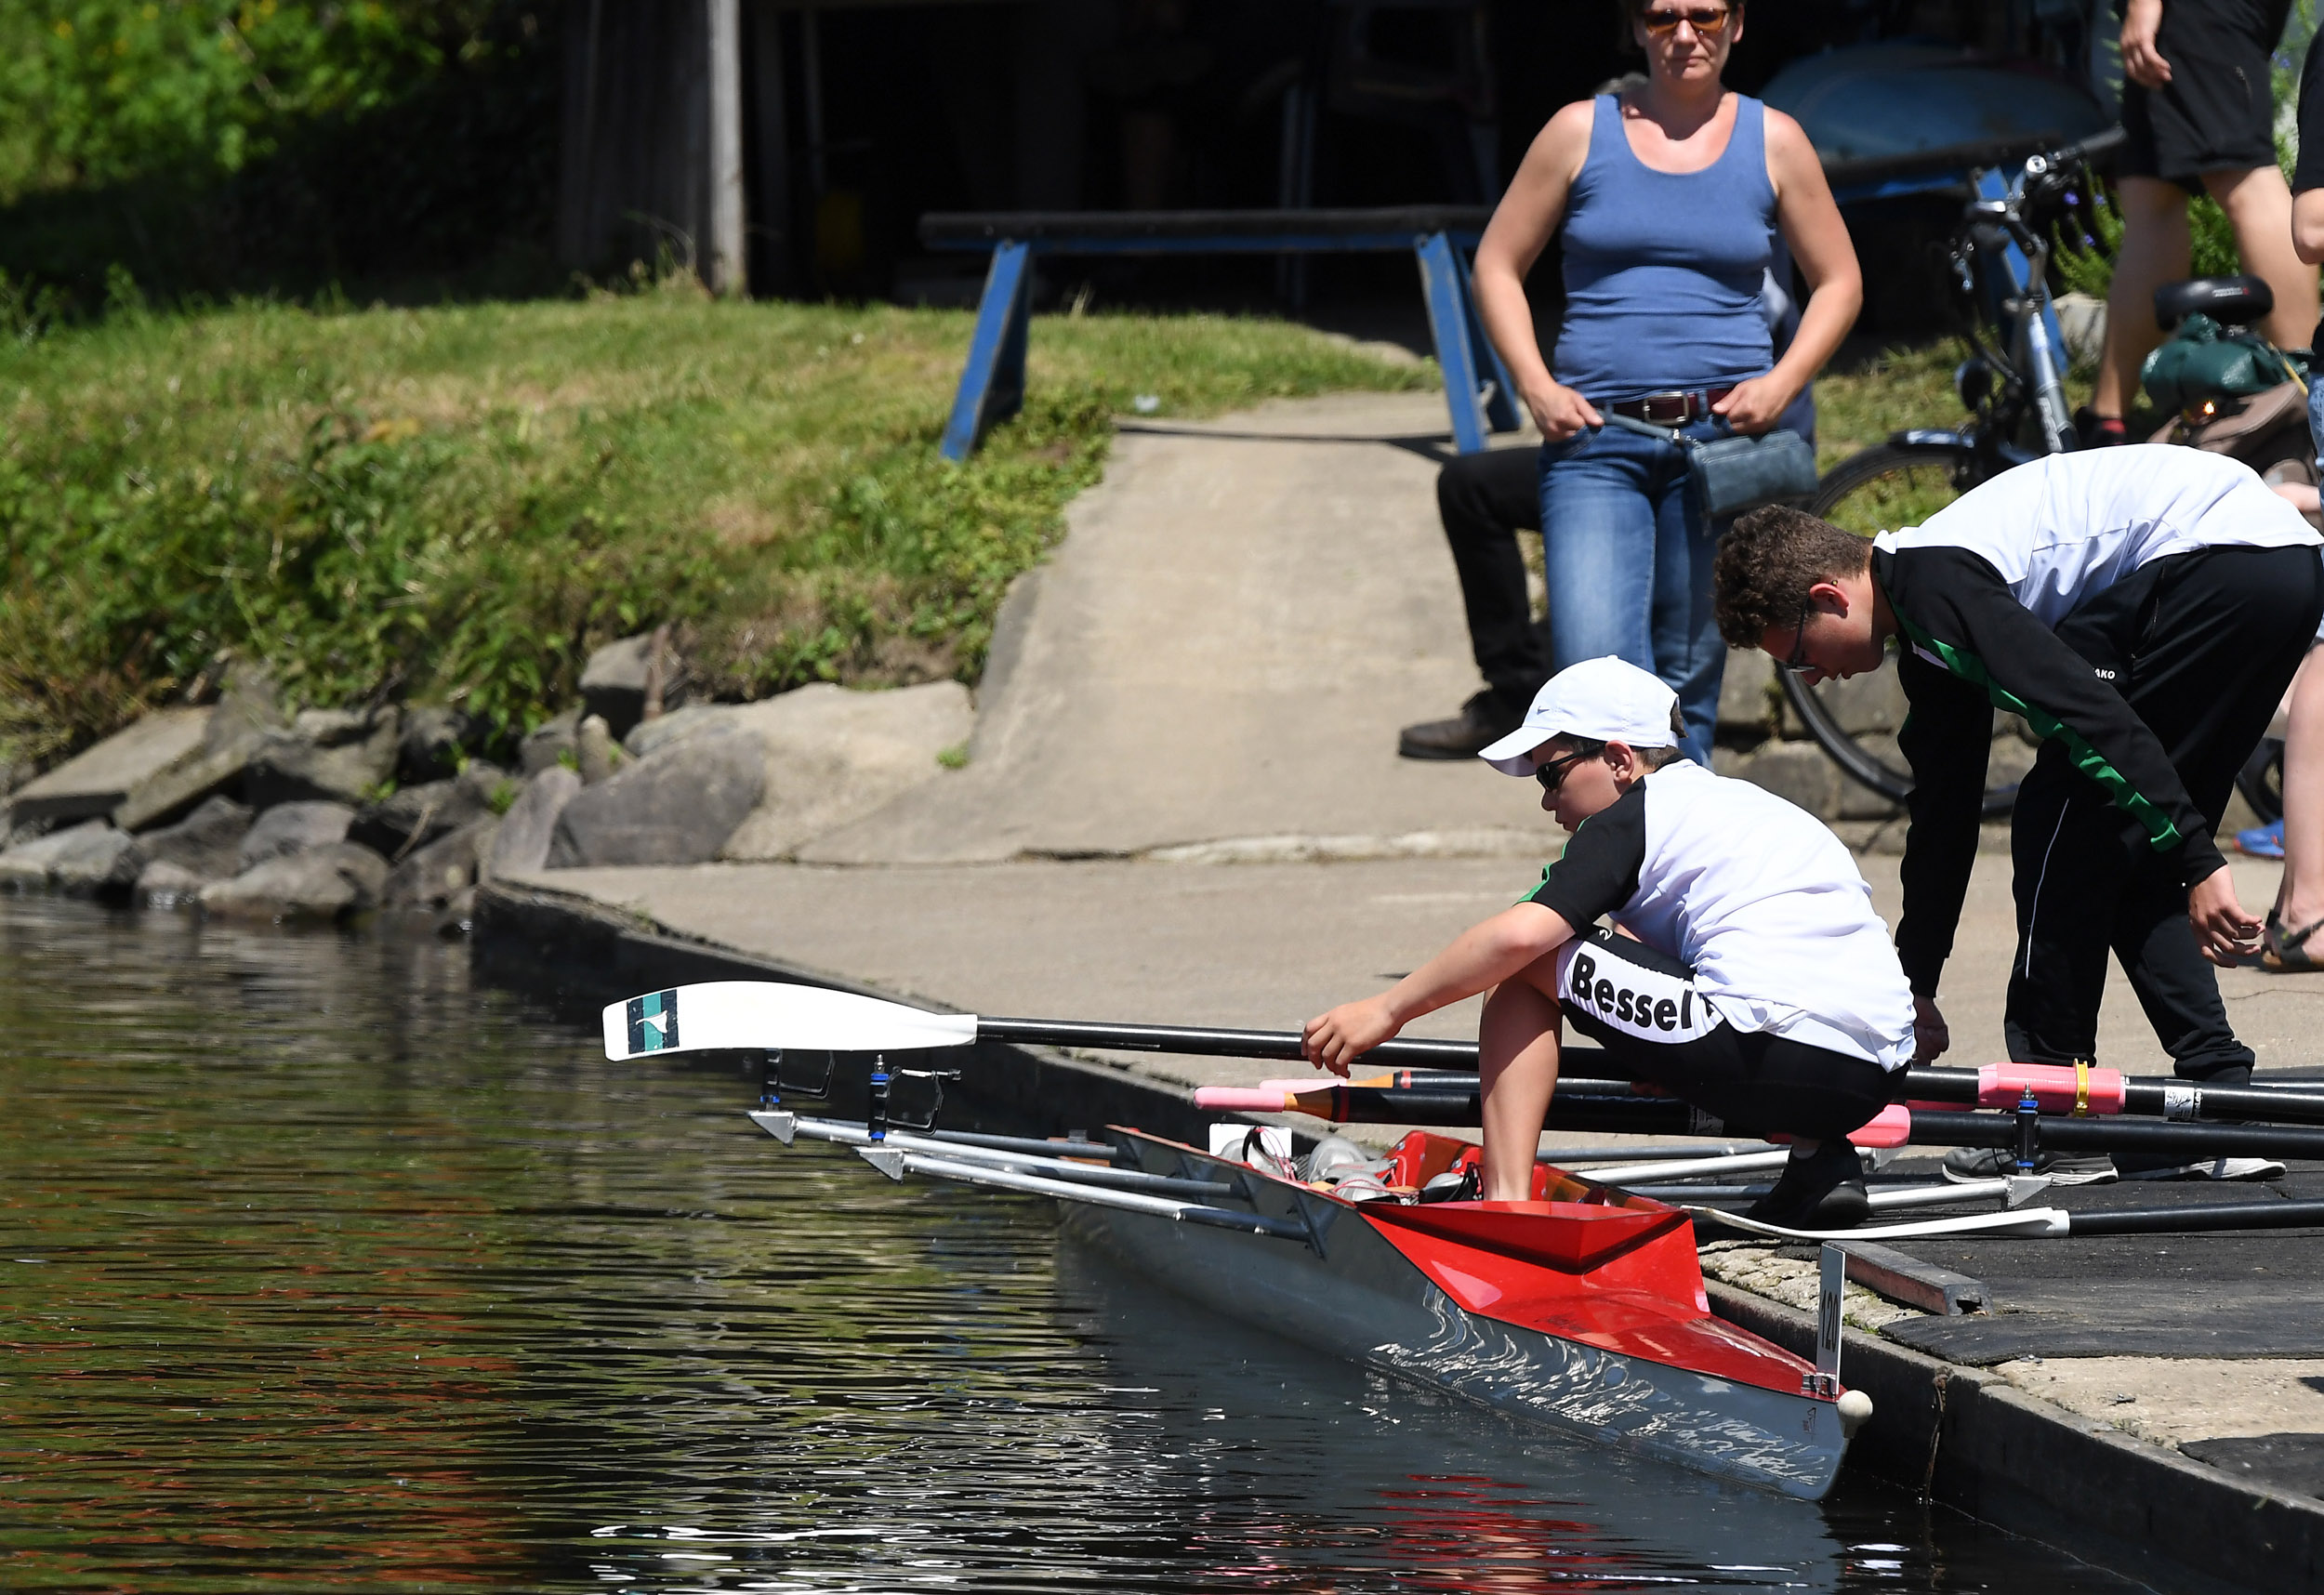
x=2217, y=114
x=1641, y=1006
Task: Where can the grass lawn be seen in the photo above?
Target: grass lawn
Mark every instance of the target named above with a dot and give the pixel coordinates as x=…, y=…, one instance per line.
x=456, y=504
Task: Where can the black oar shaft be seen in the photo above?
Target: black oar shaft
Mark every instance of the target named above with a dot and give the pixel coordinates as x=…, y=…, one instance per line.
x=2196, y=1218
x=1203, y=1042
x=2122, y=1135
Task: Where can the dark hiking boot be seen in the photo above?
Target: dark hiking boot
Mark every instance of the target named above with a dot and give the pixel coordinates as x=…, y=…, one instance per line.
x=1484, y=719
x=1825, y=1192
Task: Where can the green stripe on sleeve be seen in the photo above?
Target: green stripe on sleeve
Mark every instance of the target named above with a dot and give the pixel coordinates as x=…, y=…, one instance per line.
x=2161, y=834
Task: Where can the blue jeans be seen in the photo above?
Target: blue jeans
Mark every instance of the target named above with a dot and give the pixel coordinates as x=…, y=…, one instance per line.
x=1628, y=560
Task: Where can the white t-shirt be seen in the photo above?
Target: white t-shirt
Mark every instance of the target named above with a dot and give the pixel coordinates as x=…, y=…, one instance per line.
x=1757, y=897
x=2068, y=525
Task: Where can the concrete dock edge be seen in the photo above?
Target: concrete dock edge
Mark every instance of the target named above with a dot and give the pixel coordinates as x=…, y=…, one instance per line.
x=1963, y=1437
x=1959, y=1435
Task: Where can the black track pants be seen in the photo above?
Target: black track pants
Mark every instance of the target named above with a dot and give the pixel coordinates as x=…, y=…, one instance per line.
x=1485, y=500
x=1758, y=1084
x=2202, y=646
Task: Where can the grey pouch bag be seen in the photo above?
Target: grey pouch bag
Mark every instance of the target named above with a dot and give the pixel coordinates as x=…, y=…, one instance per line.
x=1731, y=475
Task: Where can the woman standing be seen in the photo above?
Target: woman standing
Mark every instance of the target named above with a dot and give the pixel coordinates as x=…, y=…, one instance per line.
x=1670, y=197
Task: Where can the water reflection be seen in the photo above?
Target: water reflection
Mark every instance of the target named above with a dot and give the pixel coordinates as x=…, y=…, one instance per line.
x=330, y=1269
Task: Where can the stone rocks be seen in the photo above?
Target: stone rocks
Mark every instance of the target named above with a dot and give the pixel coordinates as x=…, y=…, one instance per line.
x=246, y=712
x=165, y=885
x=206, y=845
x=522, y=844
x=676, y=808
x=834, y=755
x=324, y=883
x=433, y=744
x=595, y=751
x=289, y=829
x=339, y=756
x=1747, y=694
x=80, y=861
x=107, y=776
x=550, y=743
x=436, y=874
x=621, y=677
x=415, y=816
x=1797, y=771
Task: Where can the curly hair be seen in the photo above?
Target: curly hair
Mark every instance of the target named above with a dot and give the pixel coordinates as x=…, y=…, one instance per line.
x=1767, y=561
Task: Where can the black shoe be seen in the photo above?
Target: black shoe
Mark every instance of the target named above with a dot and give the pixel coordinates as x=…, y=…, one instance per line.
x=1825, y=1192
x=1483, y=720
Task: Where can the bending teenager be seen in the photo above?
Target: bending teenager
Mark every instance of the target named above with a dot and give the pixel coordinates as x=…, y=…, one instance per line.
x=2143, y=608
x=1749, y=974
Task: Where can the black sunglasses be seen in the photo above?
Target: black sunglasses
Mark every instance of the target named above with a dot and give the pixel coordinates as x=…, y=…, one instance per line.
x=1797, y=662
x=1551, y=774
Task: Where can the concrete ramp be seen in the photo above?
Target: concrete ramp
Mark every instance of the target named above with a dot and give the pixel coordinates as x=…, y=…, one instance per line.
x=1224, y=648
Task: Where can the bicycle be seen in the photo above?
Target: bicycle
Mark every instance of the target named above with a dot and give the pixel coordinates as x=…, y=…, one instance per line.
x=2013, y=387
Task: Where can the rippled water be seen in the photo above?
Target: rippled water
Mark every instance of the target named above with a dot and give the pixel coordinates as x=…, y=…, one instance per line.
x=325, y=1266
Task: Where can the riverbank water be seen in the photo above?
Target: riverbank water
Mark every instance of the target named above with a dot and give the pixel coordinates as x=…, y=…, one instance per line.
x=326, y=1262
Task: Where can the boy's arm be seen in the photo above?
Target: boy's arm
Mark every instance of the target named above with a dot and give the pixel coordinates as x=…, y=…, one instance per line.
x=1482, y=957
x=1953, y=603
x=1597, y=874
x=1948, y=738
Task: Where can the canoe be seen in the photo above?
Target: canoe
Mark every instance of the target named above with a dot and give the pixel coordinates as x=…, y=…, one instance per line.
x=1581, y=1311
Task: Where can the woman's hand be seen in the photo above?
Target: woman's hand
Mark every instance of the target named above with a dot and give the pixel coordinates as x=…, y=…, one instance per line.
x=2224, y=929
x=1756, y=403
x=2142, y=63
x=1930, y=1036
x=1559, y=411
x=1339, y=1038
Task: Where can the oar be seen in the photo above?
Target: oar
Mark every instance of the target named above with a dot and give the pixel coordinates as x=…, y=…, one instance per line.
x=725, y=1015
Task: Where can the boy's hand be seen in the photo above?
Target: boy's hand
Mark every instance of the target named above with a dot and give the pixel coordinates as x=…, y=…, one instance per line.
x=1929, y=1034
x=1339, y=1038
x=2227, y=932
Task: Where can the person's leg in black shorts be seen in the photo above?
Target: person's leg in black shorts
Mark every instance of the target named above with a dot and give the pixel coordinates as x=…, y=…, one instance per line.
x=1486, y=499
x=1640, y=1007
x=2203, y=644
x=2211, y=128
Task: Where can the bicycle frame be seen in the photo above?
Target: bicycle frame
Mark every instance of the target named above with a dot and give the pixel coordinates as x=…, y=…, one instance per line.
x=2005, y=272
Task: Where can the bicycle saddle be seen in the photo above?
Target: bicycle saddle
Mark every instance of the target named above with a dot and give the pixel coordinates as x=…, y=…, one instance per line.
x=2230, y=301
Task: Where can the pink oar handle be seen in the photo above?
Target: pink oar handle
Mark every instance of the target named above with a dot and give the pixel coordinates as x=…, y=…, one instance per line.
x=1891, y=1126
x=2057, y=1088
x=1241, y=1099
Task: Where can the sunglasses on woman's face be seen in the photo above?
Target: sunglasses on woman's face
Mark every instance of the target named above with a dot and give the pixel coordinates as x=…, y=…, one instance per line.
x=1709, y=22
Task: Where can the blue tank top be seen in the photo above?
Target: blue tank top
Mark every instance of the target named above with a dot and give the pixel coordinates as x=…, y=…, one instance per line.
x=1664, y=271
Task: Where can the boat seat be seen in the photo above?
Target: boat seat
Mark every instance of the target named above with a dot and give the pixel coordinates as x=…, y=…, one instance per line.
x=2230, y=301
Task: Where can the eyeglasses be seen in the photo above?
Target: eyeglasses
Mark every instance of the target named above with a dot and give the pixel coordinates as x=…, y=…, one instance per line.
x=1552, y=776
x=1797, y=664
x=1707, y=21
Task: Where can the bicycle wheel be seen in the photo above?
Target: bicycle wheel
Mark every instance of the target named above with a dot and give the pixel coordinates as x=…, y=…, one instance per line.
x=1884, y=487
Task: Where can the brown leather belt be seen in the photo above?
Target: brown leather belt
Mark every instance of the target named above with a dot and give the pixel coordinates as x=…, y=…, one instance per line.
x=1670, y=409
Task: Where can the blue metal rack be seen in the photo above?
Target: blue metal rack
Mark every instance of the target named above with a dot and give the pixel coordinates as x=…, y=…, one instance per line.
x=992, y=383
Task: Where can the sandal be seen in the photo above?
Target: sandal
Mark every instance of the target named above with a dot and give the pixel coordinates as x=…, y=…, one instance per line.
x=2285, y=954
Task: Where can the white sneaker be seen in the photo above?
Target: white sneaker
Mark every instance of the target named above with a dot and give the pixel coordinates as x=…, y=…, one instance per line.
x=2217, y=1168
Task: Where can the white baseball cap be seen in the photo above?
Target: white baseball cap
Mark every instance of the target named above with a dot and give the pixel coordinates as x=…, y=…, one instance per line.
x=1604, y=700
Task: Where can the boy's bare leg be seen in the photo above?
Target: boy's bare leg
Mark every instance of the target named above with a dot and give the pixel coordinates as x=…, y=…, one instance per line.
x=2154, y=252
x=1517, y=1050
x=2258, y=203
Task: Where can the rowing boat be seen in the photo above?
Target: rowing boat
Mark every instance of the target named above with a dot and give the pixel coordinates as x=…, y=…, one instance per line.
x=1582, y=1312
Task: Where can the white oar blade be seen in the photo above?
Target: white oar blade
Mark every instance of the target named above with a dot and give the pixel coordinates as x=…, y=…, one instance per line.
x=767, y=1013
